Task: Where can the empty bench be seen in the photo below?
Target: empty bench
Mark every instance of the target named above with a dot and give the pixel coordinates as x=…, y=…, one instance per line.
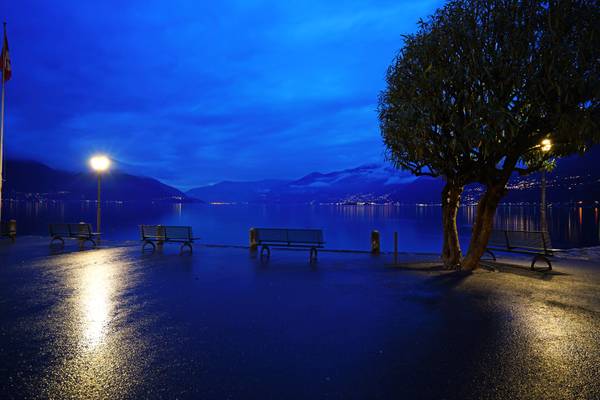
x=8, y=229
x=157, y=235
x=81, y=232
x=536, y=243
x=289, y=238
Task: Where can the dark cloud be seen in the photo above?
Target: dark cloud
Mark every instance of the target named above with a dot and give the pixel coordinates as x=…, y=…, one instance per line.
x=197, y=92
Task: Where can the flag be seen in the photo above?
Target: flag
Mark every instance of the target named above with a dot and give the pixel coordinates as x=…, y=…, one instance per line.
x=6, y=70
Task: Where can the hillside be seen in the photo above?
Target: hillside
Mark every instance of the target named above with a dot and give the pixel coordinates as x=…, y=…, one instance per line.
x=575, y=179
x=31, y=179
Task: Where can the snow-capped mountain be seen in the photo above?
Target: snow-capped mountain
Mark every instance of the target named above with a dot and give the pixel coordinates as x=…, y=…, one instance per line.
x=575, y=179
x=367, y=183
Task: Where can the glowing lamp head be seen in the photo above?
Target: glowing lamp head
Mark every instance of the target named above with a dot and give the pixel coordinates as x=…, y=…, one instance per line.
x=546, y=145
x=100, y=163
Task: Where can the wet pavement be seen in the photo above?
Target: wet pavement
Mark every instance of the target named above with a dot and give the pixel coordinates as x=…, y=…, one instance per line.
x=220, y=324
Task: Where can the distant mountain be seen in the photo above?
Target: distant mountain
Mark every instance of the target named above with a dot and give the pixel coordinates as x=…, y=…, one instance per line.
x=237, y=192
x=367, y=183
x=31, y=179
x=575, y=179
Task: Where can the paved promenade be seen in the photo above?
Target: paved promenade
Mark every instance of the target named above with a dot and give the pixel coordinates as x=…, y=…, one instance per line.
x=113, y=323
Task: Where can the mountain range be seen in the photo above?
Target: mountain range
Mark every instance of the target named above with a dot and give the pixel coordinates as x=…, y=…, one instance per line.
x=33, y=180
x=575, y=179
x=368, y=183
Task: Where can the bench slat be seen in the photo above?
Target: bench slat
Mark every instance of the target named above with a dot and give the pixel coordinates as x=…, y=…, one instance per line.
x=535, y=242
x=152, y=232
x=167, y=233
x=74, y=231
x=305, y=235
x=289, y=236
x=178, y=232
x=271, y=235
x=80, y=230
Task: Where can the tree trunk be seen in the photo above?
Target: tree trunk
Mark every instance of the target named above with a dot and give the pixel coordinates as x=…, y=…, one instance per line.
x=451, y=253
x=484, y=223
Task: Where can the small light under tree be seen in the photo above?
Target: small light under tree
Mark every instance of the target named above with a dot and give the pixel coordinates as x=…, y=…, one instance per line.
x=546, y=145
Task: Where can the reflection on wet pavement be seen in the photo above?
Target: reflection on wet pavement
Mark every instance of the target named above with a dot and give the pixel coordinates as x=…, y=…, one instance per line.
x=94, y=354
x=113, y=323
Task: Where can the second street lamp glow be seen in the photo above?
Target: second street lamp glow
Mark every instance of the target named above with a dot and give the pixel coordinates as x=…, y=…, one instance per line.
x=100, y=163
x=546, y=145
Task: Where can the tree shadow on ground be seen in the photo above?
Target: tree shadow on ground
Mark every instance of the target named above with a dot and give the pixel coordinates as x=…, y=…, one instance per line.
x=418, y=266
x=448, y=280
x=521, y=270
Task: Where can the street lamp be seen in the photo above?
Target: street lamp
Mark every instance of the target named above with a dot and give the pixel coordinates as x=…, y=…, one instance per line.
x=545, y=146
x=99, y=163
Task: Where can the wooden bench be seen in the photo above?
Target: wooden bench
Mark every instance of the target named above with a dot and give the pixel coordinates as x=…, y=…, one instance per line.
x=289, y=238
x=81, y=232
x=157, y=235
x=8, y=229
x=536, y=243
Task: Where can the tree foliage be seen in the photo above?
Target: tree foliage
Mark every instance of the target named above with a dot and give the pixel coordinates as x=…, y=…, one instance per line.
x=473, y=93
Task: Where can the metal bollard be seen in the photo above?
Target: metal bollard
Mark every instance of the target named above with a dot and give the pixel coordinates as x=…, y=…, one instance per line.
x=12, y=230
x=253, y=241
x=375, y=242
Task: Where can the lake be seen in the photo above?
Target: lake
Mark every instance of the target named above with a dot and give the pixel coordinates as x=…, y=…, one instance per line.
x=345, y=227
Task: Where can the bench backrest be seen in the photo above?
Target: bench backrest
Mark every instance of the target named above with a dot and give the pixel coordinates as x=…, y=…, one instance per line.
x=531, y=240
x=80, y=230
x=498, y=239
x=152, y=232
x=59, y=230
x=289, y=235
x=178, y=232
x=71, y=230
x=165, y=232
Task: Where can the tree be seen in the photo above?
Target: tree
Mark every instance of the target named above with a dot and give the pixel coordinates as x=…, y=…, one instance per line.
x=418, y=114
x=473, y=93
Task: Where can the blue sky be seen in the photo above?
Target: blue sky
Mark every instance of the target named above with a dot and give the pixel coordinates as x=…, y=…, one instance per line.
x=195, y=92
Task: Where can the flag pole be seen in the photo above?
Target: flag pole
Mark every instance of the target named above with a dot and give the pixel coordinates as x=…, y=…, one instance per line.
x=2, y=141
x=2, y=118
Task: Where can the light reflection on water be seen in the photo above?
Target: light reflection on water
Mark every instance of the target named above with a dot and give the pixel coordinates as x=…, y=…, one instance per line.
x=345, y=226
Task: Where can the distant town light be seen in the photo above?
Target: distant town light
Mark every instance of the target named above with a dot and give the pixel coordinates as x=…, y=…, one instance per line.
x=546, y=145
x=100, y=163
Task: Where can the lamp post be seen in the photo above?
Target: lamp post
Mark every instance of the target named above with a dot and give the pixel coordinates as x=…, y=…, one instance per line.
x=545, y=146
x=99, y=164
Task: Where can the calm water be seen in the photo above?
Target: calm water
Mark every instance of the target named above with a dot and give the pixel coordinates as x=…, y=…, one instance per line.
x=346, y=227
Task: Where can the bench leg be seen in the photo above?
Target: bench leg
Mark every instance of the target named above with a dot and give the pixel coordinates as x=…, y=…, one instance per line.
x=541, y=257
x=265, y=250
x=313, y=255
x=57, y=238
x=150, y=243
x=83, y=241
x=184, y=245
x=491, y=254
